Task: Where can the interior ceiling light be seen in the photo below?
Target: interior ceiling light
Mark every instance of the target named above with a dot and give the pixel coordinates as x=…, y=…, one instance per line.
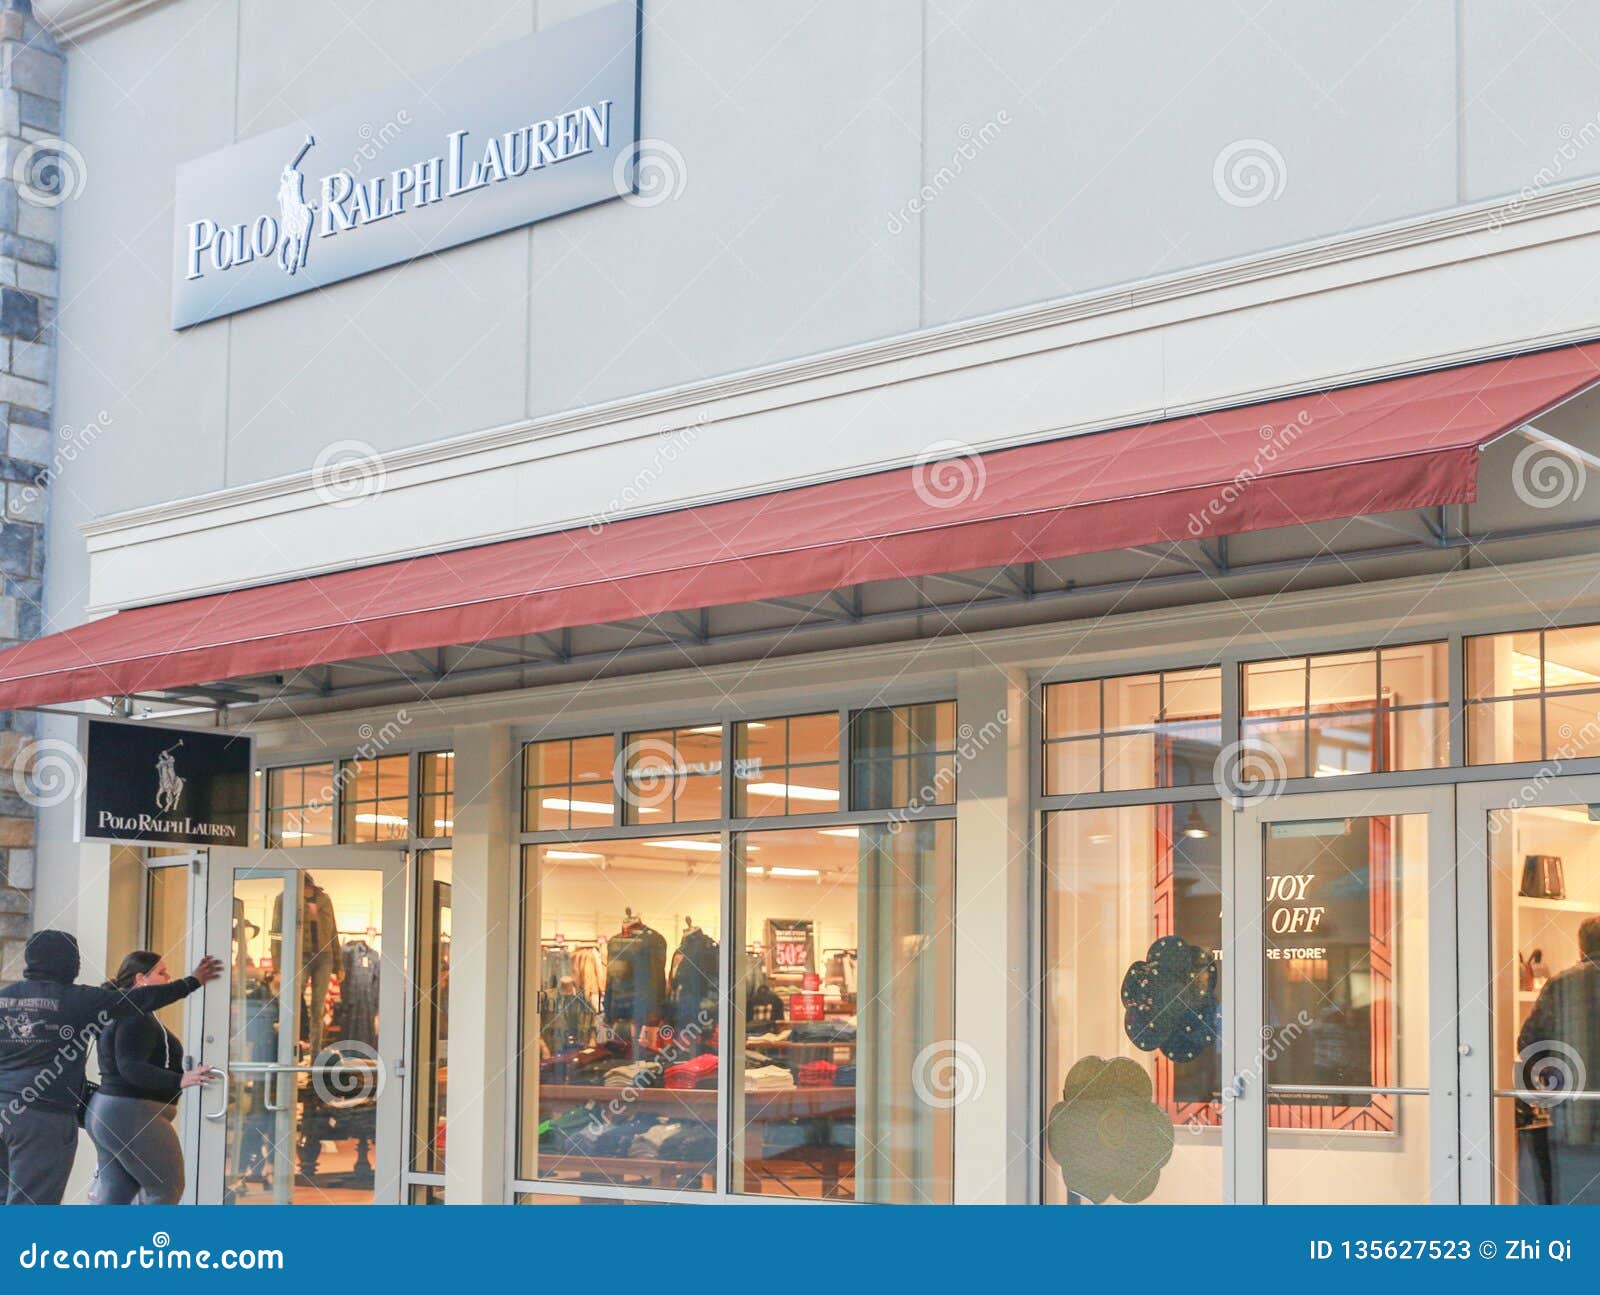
x=793, y=791
x=1194, y=827
x=685, y=843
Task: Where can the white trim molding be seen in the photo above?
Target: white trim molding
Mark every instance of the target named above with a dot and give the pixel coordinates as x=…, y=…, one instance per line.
x=71, y=20
x=1490, y=279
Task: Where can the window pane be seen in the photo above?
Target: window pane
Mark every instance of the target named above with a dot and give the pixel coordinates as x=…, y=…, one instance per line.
x=1572, y=658
x=1347, y=977
x=619, y=1079
x=672, y=775
x=300, y=806
x=1072, y=768
x=1502, y=665
x=1071, y=709
x=903, y=756
x=1572, y=725
x=844, y=1014
x=432, y=1046
x=1133, y=701
x=1345, y=681
x=1545, y=932
x=580, y=794
x=1133, y=1071
x=1503, y=732
x=1282, y=741
x=787, y=766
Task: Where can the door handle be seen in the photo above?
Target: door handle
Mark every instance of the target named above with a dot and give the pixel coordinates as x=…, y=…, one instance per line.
x=222, y=1107
x=272, y=1085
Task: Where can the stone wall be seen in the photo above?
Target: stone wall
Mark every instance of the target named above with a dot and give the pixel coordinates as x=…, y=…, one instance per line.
x=40, y=172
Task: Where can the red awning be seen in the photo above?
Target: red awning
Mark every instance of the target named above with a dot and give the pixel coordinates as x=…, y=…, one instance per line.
x=1380, y=447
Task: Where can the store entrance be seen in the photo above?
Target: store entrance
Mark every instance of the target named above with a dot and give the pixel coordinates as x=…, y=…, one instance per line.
x=1345, y=1058
x=309, y=1033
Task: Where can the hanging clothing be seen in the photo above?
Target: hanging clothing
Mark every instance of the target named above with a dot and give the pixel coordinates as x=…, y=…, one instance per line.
x=636, y=975
x=693, y=989
x=568, y=1020
x=358, y=992
x=589, y=973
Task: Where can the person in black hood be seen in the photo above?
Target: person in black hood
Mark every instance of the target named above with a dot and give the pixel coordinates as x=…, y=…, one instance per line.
x=47, y=1024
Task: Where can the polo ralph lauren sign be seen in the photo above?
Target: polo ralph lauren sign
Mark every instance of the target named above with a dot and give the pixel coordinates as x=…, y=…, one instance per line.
x=164, y=786
x=542, y=126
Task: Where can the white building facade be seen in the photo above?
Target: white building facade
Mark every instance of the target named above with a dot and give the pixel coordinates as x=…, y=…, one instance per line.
x=993, y=604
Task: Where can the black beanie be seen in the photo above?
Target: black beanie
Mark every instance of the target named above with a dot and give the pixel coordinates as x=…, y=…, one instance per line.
x=51, y=955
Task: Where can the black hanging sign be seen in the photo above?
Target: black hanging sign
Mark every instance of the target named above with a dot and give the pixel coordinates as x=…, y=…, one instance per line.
x=153, y=785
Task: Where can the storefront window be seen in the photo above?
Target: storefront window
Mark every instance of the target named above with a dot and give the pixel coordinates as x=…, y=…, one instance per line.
x=167, y=927
x=786, y=766
x=1545, y=923
x=621, y=966
x=903, y=756
x=845, y=1013
x=1132, y=732
x=432, y=990
x=436, y=795
x=300, y=805
x=1133, y=1070
x=375, y=799
x=672, y=775
x=1350, y=712
x=567, y=784
x=1533, y=695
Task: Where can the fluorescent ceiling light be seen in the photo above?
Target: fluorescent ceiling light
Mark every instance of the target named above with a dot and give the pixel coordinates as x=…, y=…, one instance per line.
x=579, y=806
x=684, y=843
x=839, y=831
x=793, y=791
x=571, y=854
x=1525, y=673
x=794, y=872
x=388, y=820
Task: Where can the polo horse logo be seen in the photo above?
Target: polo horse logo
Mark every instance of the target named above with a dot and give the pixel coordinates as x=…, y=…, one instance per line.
x=169, y=786
x=295, y=214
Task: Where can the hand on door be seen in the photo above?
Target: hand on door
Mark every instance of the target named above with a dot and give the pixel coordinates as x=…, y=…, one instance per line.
x=207, y=969
x=198, y=1077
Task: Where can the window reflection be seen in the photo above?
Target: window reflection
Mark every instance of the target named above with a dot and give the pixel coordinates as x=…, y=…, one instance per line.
x=1546, y=939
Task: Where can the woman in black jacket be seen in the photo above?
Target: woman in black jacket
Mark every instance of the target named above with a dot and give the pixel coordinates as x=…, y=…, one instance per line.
x=131, y=1119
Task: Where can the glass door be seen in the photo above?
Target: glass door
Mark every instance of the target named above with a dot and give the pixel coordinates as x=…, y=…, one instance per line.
x=1346, y=1054
x=309, y=1035
x=1530, y=882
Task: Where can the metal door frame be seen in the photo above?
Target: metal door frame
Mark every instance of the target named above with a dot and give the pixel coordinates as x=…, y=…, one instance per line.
x=1475, y=801
x=1247, y=1091
x=221, y=868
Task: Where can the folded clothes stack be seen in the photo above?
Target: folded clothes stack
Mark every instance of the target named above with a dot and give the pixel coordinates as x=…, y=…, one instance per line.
x=767, y=1079
x=816, y=1074
x=637, y=1074
x=689, y=1074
